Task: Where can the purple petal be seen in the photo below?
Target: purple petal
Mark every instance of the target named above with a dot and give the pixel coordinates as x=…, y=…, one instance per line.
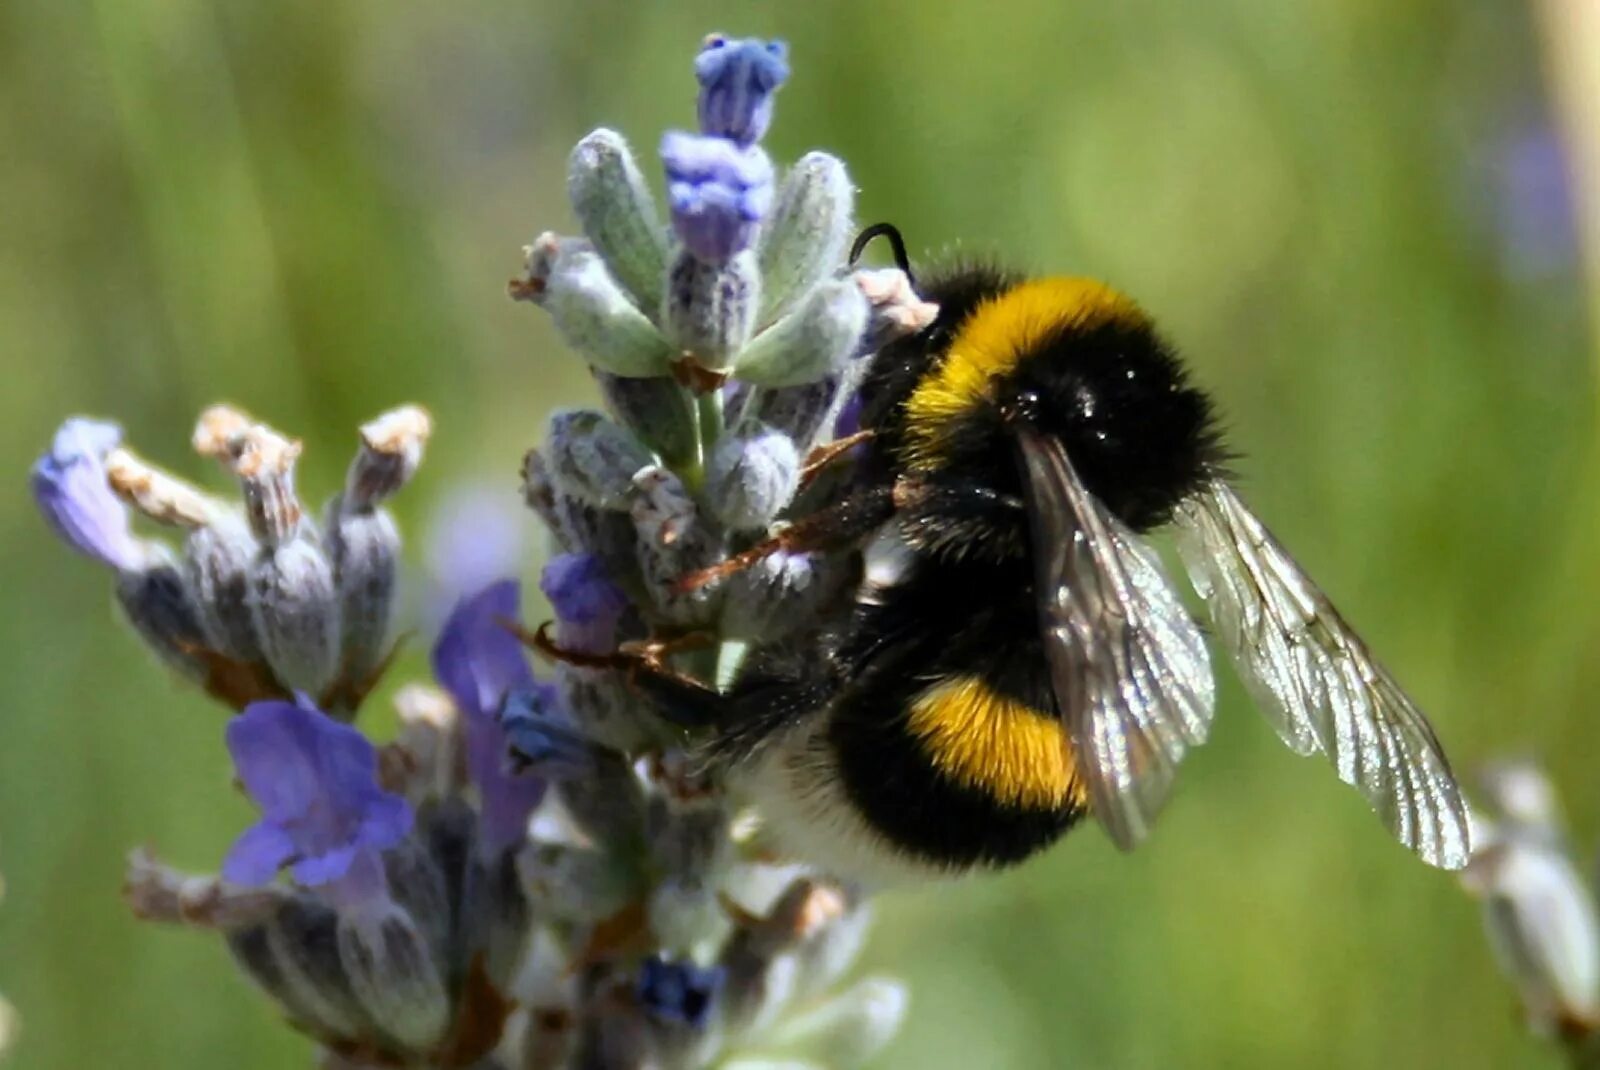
x=325, y=867
x=69, y=486
x=476, y=658
x=538, y=741
x=508, y=799
x=315, y=780
x=258, y=854
x=588, y=605
x=737, y=82
x=274, y=751
x=388, y=820
x=717, y=193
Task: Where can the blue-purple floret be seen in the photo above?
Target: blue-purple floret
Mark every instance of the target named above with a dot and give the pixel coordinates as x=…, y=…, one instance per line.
x=737, y=82
x=679, y=991
x=717, y=192
x=479, y=661
x=69, y=486
x=587, y=604
x=323, y=815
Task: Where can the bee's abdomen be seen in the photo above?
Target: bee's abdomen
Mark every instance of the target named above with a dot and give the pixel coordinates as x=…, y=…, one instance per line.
x=957, y=773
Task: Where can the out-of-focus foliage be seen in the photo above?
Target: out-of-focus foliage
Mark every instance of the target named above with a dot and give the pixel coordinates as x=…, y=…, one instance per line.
x=310, y=208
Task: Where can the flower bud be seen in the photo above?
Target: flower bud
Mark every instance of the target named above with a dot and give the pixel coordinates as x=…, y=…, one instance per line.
x=264, y=461
x=294, y=602
x=393, y=974
x=158, y=606
x=364, y=552
x=807, y=235
x=391, y=451
x=815, y=340
x=569, y=280
x=162, y=497
x=673, y=542
x=737, y=82
x=658, y=411
x=593, y=459
x=710, y=309
x=540, y=744
x=217, y=562
x=69, y=485
x=618, y=215
x=751, y=476
x=577, y=526
x=294, y=957
x=718, y=194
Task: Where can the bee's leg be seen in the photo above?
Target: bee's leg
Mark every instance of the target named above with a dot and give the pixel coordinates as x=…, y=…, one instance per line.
x=820, y=458
x=841, y=526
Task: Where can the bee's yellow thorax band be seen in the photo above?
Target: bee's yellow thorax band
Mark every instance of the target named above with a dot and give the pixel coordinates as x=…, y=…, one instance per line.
x=992, y=341
x=995, y=744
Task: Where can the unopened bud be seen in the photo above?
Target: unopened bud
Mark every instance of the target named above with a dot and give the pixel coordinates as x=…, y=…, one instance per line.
x=391, y=450
x=216, y=429
x=294, y=601
x=393, y=975
x=568, y=279
x=752, y=475
x=264, y=461
x=364, y=551
x=158, y=606
x=162, y=497
x=218, y=560
x=618, y=215
x=593, y=459
x=813, y=341
x=710, y=309
x=806, y=238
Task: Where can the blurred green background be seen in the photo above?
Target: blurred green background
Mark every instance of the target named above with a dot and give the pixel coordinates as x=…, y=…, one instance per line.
x=1349, y=213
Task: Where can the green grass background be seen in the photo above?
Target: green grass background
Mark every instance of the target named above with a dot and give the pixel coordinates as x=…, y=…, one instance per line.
x=310, y=207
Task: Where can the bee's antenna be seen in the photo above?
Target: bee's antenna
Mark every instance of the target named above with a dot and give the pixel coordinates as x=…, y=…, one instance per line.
x=897, y=245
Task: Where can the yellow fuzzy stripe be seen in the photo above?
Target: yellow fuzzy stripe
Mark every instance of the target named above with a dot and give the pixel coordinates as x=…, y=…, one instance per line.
x=992, y=341
x=995, y=744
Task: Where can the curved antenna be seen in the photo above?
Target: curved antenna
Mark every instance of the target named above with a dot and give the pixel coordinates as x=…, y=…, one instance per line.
x=897, y=245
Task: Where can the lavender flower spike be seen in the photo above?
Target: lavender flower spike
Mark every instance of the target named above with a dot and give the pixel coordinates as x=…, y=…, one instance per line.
x=69, y=485
x=479, y=662
x=323, y=815
x=718, y=193
x=737, y=82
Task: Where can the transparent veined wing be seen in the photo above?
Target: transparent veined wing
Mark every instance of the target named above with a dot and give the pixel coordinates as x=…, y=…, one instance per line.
x=1316, y=681
x=1129, y=666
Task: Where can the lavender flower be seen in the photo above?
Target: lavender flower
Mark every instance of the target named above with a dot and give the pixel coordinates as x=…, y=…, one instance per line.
x=587, y=604
x=718, y=193
x=323, y=816
x=534, y=874
x=737, y=83
x=480, y=662
x=69, y=485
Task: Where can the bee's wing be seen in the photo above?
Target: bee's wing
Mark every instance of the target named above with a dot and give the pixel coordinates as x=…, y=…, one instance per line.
x=1128, y=665
x=1315, y=679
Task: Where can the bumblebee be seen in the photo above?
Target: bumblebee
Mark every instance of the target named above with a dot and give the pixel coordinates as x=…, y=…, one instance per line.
x=1024, y=661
